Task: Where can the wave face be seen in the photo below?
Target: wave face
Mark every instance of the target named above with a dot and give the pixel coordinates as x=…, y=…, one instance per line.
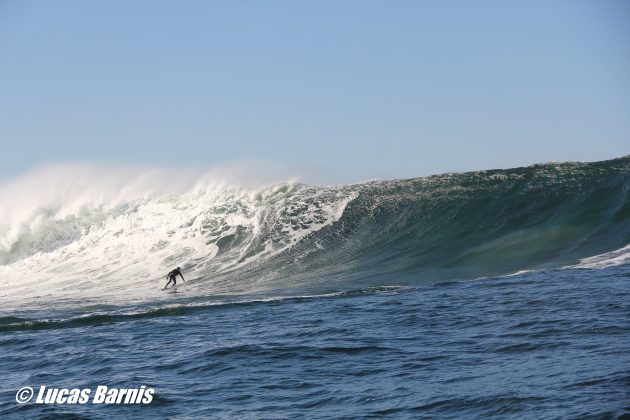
x=89, y=234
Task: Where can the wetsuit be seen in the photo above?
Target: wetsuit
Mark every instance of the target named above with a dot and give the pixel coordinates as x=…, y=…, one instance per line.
x=172, y=277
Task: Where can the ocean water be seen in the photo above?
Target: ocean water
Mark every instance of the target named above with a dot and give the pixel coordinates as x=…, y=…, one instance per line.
x=498, y=293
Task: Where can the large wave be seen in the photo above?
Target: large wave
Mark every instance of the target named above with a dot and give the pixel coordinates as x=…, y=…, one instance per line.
x=86, y=232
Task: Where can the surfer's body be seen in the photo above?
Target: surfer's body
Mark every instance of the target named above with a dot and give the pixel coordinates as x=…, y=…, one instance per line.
x=172, y=277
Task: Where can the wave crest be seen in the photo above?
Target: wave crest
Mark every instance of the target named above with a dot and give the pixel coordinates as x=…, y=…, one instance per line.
x=95, y=234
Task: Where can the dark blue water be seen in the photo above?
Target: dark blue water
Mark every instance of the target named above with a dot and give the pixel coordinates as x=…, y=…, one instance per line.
x=329, y=302
x=551, y=344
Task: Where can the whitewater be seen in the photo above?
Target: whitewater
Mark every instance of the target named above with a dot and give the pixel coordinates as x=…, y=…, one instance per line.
x=88, y=232
x=362, y=299
x=100, y=234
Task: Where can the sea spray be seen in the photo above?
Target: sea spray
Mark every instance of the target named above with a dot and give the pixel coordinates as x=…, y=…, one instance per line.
x=115, y=238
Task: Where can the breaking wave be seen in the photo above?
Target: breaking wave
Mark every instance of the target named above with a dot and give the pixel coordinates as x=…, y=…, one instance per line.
x=91, y=233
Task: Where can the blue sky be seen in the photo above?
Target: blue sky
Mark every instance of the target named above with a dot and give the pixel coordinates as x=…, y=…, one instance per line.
x=347, y=90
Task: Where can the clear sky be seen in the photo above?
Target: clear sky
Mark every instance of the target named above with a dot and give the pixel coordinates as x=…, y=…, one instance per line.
x=352, y=90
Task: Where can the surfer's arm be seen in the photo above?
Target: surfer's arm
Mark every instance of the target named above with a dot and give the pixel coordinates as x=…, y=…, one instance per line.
x=182, y=276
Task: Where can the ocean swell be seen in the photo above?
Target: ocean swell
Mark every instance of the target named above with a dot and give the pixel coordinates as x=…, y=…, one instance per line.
x=115, y=235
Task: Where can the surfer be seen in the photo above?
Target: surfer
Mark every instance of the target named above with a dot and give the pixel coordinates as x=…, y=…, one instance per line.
x=172, y=277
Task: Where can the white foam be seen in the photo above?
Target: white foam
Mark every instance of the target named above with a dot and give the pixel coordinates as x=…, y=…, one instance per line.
x=609, y=259
x=84, y=231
